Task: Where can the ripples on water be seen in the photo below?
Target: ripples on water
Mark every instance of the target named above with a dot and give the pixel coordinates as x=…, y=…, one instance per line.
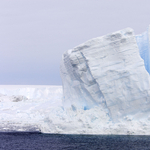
x=37, y=141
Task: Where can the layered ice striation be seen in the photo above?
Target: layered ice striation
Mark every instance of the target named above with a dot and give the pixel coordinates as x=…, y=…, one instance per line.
x=109, y=71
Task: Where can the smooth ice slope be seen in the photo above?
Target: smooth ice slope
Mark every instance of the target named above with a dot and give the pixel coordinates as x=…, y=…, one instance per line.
x=107, y=71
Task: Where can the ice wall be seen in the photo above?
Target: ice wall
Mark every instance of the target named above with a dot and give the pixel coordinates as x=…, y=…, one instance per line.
x=108, y=71
x=144, y=48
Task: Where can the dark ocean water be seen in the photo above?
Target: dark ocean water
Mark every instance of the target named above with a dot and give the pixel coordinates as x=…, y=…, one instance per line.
x=38, y=141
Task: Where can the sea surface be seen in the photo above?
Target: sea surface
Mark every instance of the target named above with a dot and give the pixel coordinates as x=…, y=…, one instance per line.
x=38, y=141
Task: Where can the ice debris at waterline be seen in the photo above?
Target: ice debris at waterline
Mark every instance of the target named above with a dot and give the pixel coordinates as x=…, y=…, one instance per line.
x=106, y=90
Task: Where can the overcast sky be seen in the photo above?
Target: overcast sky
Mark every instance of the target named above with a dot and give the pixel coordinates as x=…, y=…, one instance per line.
x=35, y=33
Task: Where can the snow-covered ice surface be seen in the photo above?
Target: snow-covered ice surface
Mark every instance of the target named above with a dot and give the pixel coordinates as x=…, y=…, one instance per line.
x=106, y=90
x=40, y=108
x=27, y=108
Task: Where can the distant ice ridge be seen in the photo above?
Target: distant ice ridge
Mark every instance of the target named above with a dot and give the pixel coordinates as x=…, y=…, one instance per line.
x=28, y=107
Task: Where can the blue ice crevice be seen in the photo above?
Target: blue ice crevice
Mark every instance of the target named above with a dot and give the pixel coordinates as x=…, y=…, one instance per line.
x=144, y=48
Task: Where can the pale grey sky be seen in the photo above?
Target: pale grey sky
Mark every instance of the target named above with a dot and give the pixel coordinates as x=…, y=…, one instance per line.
x=35, y=33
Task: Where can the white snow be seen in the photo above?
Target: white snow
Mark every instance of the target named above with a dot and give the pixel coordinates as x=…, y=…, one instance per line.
x=106, y=90
x=48, y=115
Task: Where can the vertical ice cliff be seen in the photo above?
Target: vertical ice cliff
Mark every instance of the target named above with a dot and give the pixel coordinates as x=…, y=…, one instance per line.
x=108, y=71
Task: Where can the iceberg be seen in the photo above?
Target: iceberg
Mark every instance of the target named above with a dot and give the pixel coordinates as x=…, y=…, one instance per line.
x=106, y=90
x=111, y=71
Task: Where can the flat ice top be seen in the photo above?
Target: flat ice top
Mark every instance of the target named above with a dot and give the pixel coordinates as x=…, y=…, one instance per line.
x=31, y=91
x=31, y=86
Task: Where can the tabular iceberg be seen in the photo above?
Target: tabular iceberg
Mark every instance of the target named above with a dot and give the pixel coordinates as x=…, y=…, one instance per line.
x=111, y=71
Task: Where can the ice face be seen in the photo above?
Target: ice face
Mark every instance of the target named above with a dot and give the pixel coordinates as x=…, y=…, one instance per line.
x=144, y=48
x=108, y=71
